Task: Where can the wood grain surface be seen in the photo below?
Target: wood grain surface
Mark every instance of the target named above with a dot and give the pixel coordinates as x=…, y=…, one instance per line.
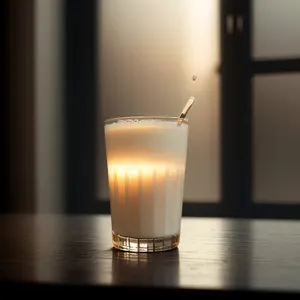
x=214, y=254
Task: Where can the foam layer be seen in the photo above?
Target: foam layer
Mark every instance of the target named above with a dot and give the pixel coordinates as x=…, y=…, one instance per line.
x=122, y=123
x=150, y=141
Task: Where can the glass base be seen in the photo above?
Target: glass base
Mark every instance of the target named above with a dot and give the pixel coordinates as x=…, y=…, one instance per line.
x=124, y=243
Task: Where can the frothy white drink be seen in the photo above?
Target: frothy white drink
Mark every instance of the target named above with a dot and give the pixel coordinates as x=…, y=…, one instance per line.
x=146, y=169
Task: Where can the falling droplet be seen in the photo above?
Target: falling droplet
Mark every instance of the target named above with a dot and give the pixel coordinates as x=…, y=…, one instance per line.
x=194, y=78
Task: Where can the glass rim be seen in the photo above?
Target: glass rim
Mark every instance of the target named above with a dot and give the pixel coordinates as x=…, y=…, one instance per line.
x=140, y=117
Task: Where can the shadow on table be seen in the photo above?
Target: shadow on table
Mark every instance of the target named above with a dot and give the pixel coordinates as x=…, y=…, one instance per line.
x=160, y=268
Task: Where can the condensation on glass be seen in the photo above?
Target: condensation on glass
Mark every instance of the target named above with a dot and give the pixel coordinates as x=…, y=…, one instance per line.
x=150, y=52
x=276, y=132
x=276, y=28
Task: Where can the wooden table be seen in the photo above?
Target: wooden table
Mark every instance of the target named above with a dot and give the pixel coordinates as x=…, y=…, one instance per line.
x=214, y=256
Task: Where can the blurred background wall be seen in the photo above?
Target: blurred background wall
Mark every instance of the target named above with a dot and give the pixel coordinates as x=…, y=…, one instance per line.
x=69, y=65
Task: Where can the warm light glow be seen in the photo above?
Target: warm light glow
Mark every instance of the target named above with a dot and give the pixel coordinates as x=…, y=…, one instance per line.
x=133, y=173
x=201, y=56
